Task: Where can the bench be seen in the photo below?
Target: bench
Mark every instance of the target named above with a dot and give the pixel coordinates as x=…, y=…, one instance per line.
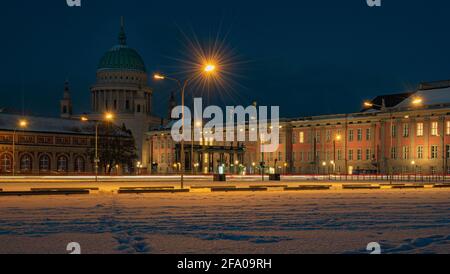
x=143, y=191
x=436, y=186
x=200, y=187
x=300, y=188
x=360, y=187
x=43, y=193
x=270, y=186
x=147, y=188
x=227, y=189
x=407, y=186
x=65, y=189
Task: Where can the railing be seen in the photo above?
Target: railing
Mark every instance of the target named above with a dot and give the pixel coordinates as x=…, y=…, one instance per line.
x=419, y=178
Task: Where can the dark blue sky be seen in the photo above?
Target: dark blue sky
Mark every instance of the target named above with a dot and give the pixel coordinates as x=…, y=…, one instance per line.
x=309, y=57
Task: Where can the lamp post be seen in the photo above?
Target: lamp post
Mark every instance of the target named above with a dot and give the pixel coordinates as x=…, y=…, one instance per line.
x=262, y=163
x=108, y=116
x=22, y=124
x=208, y=69
x=337, y=138
x=324, y=164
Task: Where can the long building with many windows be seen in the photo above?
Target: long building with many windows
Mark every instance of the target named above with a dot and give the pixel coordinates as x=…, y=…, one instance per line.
x=399, y=134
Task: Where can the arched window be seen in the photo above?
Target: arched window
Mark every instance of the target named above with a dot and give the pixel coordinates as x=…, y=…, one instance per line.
x=5, y=163
x=79, y=164
x=62, y=164
x=44, y=163
x=26, y=163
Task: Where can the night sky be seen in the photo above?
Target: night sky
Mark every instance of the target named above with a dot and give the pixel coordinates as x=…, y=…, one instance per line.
x=308, y=57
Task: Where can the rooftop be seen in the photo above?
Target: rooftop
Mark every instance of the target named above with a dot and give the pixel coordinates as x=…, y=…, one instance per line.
x=9, y=122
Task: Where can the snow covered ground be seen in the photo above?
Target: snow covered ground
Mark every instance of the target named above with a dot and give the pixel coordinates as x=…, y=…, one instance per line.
x=335, y=221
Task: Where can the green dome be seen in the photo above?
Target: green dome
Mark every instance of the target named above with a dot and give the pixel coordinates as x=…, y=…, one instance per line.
x=122, y=57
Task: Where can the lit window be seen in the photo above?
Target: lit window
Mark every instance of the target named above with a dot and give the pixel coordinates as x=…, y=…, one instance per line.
x=368, y=154
x=360, y=135
x=405, y=153
x=393, y=131
x=350, y=155
x=393, y=153
x=302, y=137
x=434, y=152
x=405, y=130
x=368, y=134
x=420, y=152
x=419, y=129
x=447, y=128
x=434, y=129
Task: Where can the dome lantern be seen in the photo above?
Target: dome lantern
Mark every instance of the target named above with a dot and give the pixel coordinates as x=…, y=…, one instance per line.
x=121, y=57
x=122, y=35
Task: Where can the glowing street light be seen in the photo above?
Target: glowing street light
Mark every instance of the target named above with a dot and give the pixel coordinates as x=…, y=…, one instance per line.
x=22, y=124
x=417, y=101
x=108, y=116
x=368, y=104
x=158, y=77
x=208, y=69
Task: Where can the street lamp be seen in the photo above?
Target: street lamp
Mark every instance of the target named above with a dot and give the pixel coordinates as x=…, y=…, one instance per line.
x=22, y=124
x=337, y=138
x=208, y=68
x=413, y=164
x=108, y=116
x=417, y=101
x=139, y=167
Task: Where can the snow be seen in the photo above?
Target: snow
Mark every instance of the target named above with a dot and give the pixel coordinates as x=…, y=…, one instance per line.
x=46, y=124
x=335, y=221
x=430, y=97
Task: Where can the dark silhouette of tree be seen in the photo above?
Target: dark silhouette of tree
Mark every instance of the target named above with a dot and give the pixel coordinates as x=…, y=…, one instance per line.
x=116, y=146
